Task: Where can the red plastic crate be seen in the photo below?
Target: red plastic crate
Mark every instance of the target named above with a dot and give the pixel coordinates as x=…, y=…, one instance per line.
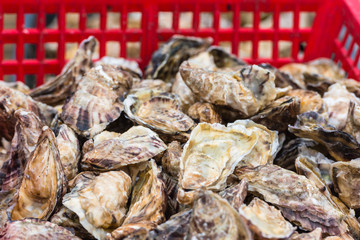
x=335, y=32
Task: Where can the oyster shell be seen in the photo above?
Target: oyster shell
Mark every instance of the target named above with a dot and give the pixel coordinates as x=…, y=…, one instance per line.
x=340, y=145
x=279, y=114
x=327, y=68
x=186, y=96
x=247, y=90
x=166, y=60
x=214, y=218
x=69, y=149
x=296, y=70
x=282, y=79
x=19, y=86
x=138, y=144
x=99, y=138
x=148, y=203
x=313, y=235
x=97, y=101
x=204, y=112
x=171, y=190
x=223, y=59
x=160, y=111
x=236, y=194
x=44, y=182
x=353, y=124
x=170, y=161
x=265, y=220
x=35, y=229
x=124, y=64
x=6, y=199
x=151, y=84
x=99, y=212
x=298, y=198
x=309, y=100
x=27, y=131
x=55, y=91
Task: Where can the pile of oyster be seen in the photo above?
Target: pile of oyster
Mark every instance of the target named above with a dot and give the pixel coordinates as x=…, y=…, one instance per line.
x=200, y=146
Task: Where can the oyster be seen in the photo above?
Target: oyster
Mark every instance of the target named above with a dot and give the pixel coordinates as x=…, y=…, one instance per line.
x=223, y=59
x=279, y=114
x=19, y=86
x=313, y=235
x=170, y=161
x=99, y=138
x=282, y=79
x=166, y=60
x=210, y=156
x=340, y=145
x=353, y=123
x=99, y=212
x=126, y=65
x=27, y=131
x=204, y=112
x=138, y=144
x=55, y=91
x=327, y=68
x=214, y=218
x=69, y=149
x=6, y=199
x=160, y=111
x=296, y=70
x=44, y=182
x=236, y=194
x=346, y=177
x=97, y=101
x=186, y=96
x=298, y=198
x=247, y=90
x=148, y=203
x=151, y=84
x=35, y=229
x=309, y=100
x=265, y=220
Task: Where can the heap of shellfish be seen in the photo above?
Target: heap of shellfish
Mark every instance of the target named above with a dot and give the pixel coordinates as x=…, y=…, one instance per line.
x=201, y=145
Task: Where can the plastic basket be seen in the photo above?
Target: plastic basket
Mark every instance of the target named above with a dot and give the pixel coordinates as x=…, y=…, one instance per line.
x=335, y=33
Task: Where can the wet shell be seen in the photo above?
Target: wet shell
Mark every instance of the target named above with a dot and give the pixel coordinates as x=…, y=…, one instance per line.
x=236, y=194
x=69, y=150
x=340, y=145
x=28, y=229
x=266, y=221
x=148, y=202
x=214, y=218
x=27, y=131
x=247, y=90
x=44, y=181
x=138, y=144
x=97, y=101
x=279, y=114
x=55, y=91
x=99, y=212
x=166, y=60
x=204, y=112
x=298, y=198
x=150, y=84
x=170, y=161
x=210, y=156
x=159, y=111
x=124, y=64
x=314, y=235
x=309, y=100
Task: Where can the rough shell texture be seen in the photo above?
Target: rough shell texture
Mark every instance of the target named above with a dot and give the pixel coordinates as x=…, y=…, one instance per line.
x=313, y=235
x=6, y=199
x=298, y=198
x=44, y=181
x=223, y=59
x=247, y=90
x=265, y=220
x=296, y=70
x=124, y=64
x=282, y=79
x=353, y=121
x=19, y=86
x=101, y=137
x=186, y=96
x=55, y=91
x=27, y=131
x=148, y=203
x=166, y=60
x=138, y=144
x=170, y=161
x=159, y=111
x=340, y=145
x=69, y=149
x=204, y=112
x=210, y=156
x=99, y=212
x=279, y=114
x=28, y=229
x=214, y=218
x=151, y=84
x=310, y=100
x=97, y=101
x=236, y=194
x=327, y=68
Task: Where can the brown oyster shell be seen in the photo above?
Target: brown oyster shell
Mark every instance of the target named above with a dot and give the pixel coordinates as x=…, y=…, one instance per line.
x=6, y=199
x=44, y=181
x=236, y=194
x=69, y=149
x=151, y=84
x=223, y=59
x=27, y=131
x=124, y=64
x=170, y=161
x=97, y=101
x=138, y=144
x=148, y=202
x=35, y=229
x=265, y=220
x=282, y=79
x=247, y=90
x=279, y=114
x=352, y=126
x=309, y=100
x=214, y=218
x=166, y=60
x=19, y=86
x=55, y=91
x=327, y=68
x=313, y=235
x=159, y=111
x=204, y=112
x=340, y=145
x=97, y=139
x=99, y=212
x=298, y=198
x=296, y=71
x=186, y=96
